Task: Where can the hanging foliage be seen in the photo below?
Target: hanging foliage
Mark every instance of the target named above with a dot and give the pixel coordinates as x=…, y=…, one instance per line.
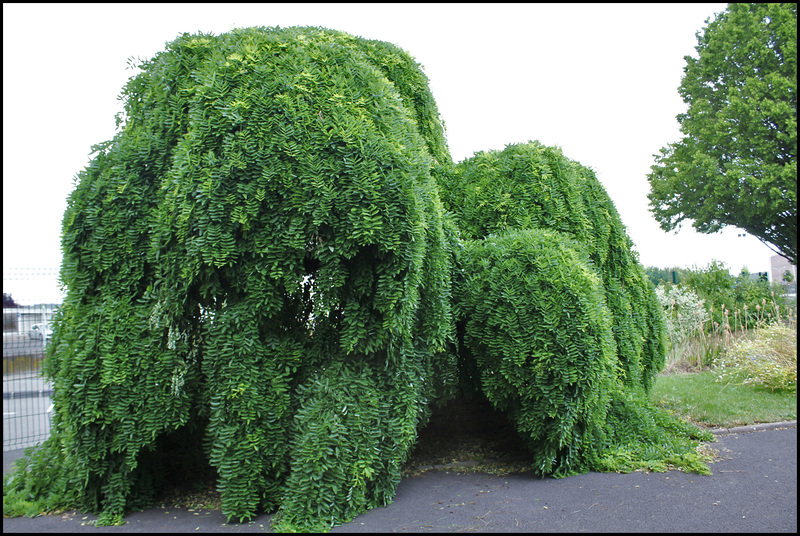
x=262, y=236
x=560, y=327
x=531, y=186
x=538, y=327
x=259, y=269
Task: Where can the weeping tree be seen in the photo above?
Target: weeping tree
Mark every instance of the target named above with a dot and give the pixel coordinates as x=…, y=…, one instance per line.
x=559, y=325
x=256, y=259
x=263, y=282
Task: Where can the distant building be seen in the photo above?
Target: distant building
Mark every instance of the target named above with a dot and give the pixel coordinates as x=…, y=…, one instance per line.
x=779, y=266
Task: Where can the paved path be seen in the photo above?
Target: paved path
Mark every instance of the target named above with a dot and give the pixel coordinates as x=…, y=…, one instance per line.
x=753, y=489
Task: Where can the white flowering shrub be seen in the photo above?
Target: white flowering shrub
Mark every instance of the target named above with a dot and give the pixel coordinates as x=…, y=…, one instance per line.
x=684, y=313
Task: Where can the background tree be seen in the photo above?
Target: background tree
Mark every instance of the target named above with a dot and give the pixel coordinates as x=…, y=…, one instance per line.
x=664, y=275
x=737, y=162
x=8, y=301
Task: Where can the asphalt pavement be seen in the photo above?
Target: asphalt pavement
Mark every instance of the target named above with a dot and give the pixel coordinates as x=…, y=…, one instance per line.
x=753, y=488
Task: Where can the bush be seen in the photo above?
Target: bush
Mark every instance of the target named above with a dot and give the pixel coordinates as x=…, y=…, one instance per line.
x=351, y=438
x=714, y=285
x=769, y=359
x=684, y=313
x=685, y=317
x=735, y=303
x=558, y=322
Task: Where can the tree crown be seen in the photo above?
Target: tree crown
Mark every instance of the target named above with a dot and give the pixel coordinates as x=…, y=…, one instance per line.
x=737, y=162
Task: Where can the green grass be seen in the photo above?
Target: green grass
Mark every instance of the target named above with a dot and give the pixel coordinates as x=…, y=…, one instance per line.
x=699, y=398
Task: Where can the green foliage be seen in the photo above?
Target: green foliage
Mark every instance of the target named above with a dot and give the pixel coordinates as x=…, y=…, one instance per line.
x=33, y=496
x=352, y=435
x=734, y=303
x=537, y=325
x=531, y=186
x=684, y=313
x=258, y=271
x=659, y=276
x=265, y=213
x=737, y=162
x=714, y=285
x=709, y=309
x=559, y=324
x=642, y=436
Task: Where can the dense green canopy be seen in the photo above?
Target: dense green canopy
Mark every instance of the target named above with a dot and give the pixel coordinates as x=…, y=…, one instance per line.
x=537, y=326
x=737, y=161
x=262, y=235
x=531, y=186
x=264, y=285
x=559, y=325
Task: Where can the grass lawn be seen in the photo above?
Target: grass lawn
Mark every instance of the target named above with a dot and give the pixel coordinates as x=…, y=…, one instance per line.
x=697, y=397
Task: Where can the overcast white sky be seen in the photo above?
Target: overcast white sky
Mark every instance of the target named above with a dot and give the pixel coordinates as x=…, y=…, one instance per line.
x=598, y=80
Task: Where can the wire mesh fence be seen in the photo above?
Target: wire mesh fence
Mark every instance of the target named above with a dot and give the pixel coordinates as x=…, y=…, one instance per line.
x=30, y=299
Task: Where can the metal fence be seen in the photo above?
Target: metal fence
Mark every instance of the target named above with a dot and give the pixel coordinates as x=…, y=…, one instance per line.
x=30, y=298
